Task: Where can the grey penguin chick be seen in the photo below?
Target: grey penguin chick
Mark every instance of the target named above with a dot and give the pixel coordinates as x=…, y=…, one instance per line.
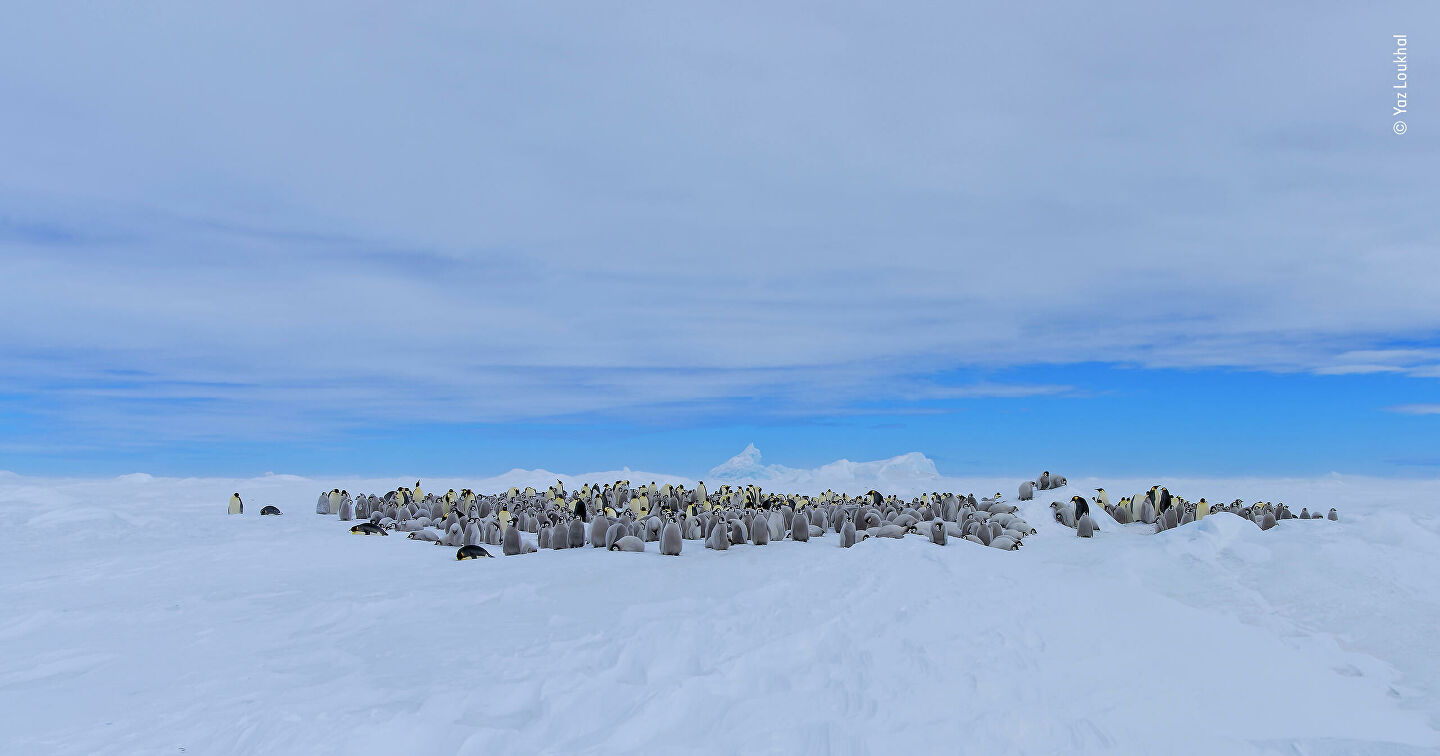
x=615, y=532
x=719, y=538
x=1005, y=543
x=670, y=540
x=598, y=527
x=1084, y=527
x=847, y=534
x=1332, y=516
x=760, y=532
x=629, y=543
x=800, y=528
x=937, y=533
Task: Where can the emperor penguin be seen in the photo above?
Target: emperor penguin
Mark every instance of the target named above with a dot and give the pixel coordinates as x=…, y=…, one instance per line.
x=847, y=534
x=510, y=543
x=1333, y=516
x=1147, y=511
x=670, y=540
x=369, y=528
x=236, y=505
x=334, y=505
x=471, y=551
x=937, y=533
x=322, y=505
x=1085, y=527
x=628, y=543
x=598, y=527
x=615, y=532
x=347, y=509
x=271, y=509
x=1102, y=498
x=1082, y=507
x=1268, y=521
x=776, y=521
x=1044, y=481
x=1027, y=491
x=800, y=528
x=577, y=532
x=720, y=538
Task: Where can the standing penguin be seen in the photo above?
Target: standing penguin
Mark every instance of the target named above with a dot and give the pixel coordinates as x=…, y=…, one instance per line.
x=236, y=505
x=670, y=540
x=333, y=506
x=1027, y=491
x=1085, y=527
x=719, y=538
x=847, y=534
x=347, y=509
x=760, y=531
x=800, y=528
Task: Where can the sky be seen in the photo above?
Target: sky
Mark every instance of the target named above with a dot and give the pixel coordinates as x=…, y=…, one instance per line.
x=351, y=237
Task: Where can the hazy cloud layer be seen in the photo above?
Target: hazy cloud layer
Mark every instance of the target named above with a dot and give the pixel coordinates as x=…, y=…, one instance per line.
x=262, y=217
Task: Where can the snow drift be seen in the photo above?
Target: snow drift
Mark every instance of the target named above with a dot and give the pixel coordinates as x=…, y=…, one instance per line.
x=139, y=617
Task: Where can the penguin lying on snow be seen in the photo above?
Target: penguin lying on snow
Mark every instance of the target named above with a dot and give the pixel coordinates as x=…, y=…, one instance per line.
x=471, y=552
x=271, y=509
x=369, y=528
x=628, y=543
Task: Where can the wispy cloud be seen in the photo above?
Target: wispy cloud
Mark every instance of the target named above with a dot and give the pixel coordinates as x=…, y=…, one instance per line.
x=1415, y=409
x=501, y=213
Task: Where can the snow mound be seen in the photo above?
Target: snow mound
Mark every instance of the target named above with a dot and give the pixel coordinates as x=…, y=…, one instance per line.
x=140, y=618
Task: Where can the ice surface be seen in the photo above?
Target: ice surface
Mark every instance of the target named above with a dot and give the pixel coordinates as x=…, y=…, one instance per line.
x=139, y=618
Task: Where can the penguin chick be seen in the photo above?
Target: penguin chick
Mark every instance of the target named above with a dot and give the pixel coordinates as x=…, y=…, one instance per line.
x=670, y=540
x=629, y=543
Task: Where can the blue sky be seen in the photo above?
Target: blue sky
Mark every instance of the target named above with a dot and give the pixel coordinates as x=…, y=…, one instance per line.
x=346, y=237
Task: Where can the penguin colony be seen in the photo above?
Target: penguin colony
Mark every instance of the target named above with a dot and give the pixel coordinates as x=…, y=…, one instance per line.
x=1045, y=482
x=1158, y=507
x=619, y=517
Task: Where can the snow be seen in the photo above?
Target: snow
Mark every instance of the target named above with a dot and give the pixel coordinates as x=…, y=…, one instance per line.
x=139, y=617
